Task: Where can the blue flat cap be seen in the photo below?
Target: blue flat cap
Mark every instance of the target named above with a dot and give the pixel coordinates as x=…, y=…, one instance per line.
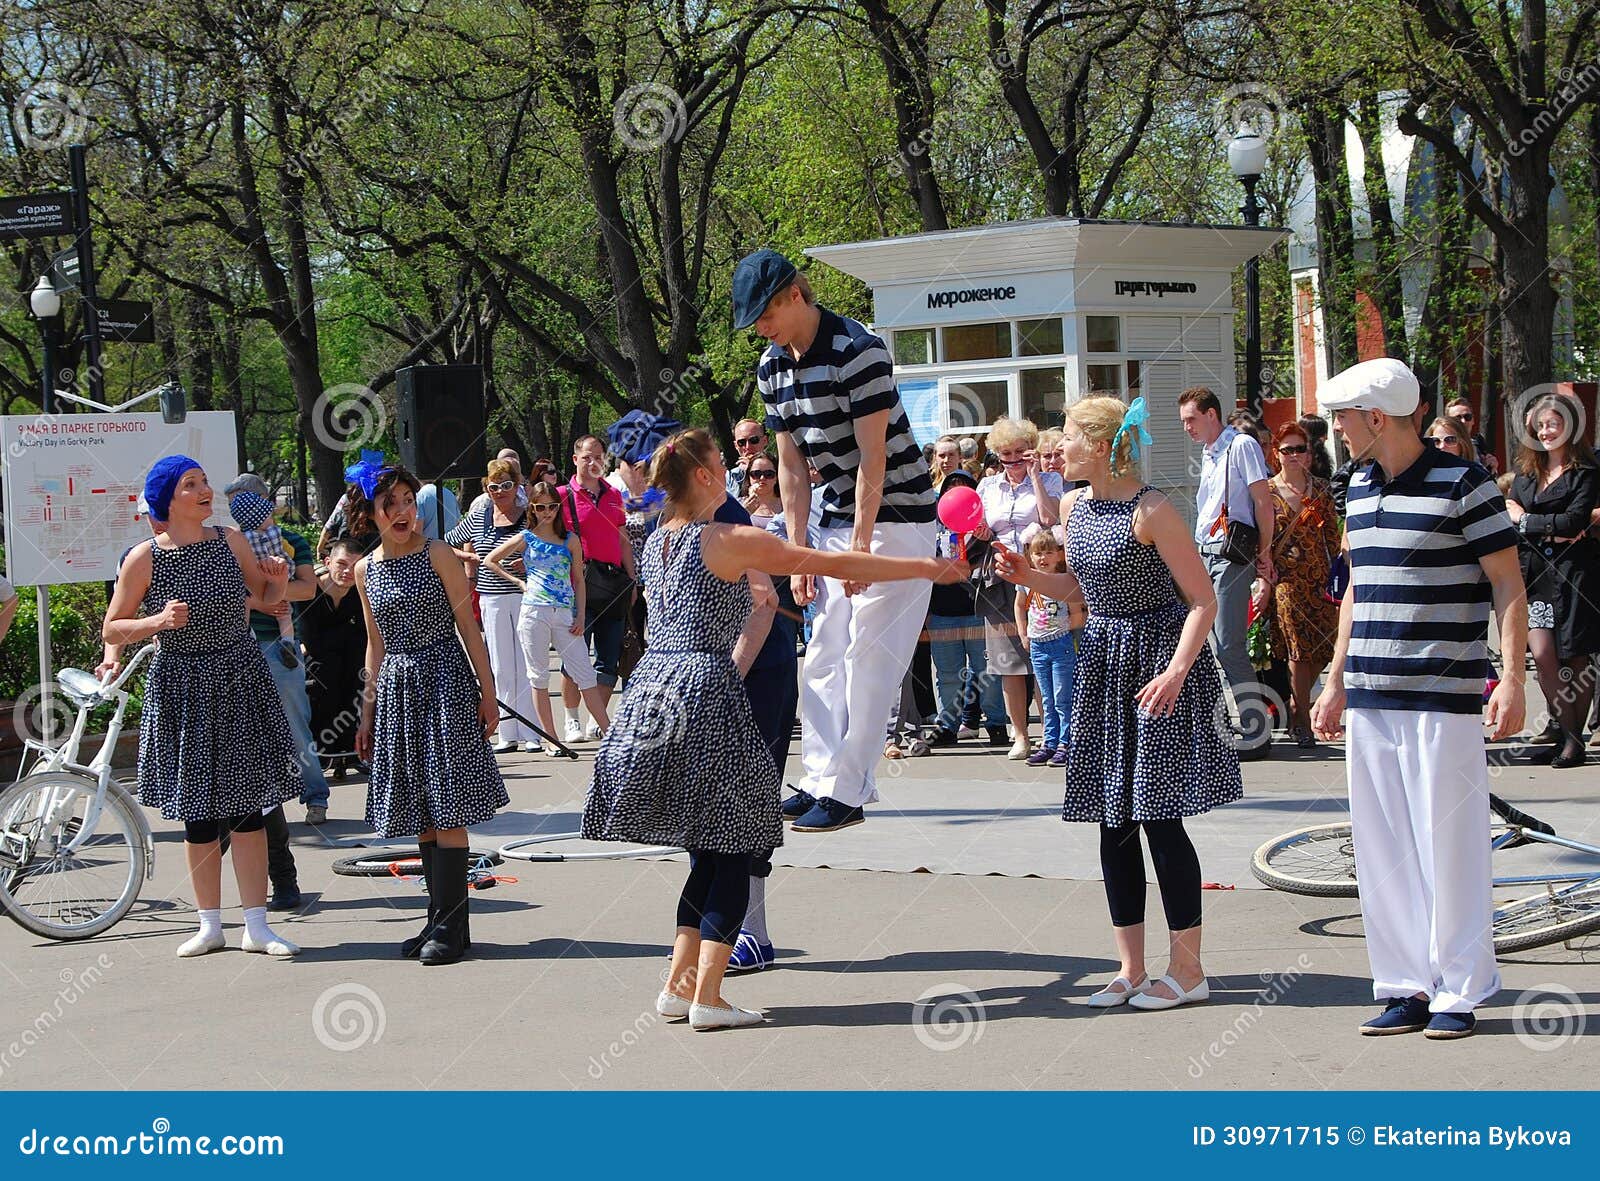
x=759, y=276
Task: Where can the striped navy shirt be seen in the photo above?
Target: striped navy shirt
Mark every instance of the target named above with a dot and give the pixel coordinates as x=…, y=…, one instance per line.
x=1421, y=597
x=846, y=374
x=478, y=531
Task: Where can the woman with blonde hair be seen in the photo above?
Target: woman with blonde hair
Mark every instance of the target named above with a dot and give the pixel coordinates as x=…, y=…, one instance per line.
x=1451, y=435
x=683, y=763
x=1552, y=497
x=1017, y=502
x=485, y=528
x=1146, y=750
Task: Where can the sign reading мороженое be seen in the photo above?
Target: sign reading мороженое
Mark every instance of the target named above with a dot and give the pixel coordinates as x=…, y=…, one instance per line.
x=1156, y=287
x=949, y=299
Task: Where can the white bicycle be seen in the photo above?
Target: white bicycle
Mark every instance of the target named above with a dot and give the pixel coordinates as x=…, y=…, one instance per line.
x=75, y=848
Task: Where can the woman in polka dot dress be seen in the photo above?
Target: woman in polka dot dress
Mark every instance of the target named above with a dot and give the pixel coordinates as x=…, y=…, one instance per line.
x=683, y=763
x=215, y=750
x=1148, y=731
x=425, y=721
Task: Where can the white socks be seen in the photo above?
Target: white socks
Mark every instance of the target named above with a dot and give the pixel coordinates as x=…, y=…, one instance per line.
x=755, y=915
x=259, y=937
x=207, y=939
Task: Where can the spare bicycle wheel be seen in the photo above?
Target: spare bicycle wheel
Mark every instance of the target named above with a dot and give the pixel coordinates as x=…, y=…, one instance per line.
x=1319, y=861
x=383, y=863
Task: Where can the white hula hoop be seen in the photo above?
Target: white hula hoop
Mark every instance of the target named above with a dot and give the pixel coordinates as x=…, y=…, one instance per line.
x=519, y=850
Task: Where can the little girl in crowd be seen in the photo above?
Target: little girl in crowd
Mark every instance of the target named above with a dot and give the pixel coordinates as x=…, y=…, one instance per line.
x=1047, y=626
x=552, y=605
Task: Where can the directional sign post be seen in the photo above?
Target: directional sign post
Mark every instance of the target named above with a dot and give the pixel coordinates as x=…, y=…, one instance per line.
x=131, y=321
x=64, y=271
x=39, y=215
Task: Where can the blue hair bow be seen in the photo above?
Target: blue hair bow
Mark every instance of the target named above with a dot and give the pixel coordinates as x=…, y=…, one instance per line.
x=1133, y=419
x=364, y=473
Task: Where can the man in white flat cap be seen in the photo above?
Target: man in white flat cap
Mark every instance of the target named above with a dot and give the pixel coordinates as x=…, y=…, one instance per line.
x=1429, y=545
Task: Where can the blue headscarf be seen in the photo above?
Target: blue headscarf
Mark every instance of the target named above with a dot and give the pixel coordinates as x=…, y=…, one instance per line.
x=162, y=482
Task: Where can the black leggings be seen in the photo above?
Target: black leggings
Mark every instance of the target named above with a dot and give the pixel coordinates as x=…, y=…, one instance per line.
x=1177, y=870
x=203, y=832
x=716, y=895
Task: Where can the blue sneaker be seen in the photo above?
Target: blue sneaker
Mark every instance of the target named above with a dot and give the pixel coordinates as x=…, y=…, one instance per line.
x=1446, y=1026
x=1400, y=1015
x=750, y=956
x=798, y=805
x=829, y=816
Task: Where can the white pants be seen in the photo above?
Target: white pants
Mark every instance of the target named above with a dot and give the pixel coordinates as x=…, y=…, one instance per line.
x=540, y=627
x=1419, y=803
x=860, y=648
x=505, y=661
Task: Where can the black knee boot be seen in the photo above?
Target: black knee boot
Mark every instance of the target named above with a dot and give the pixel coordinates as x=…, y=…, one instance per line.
x=280, y=862
x=448, y=942
x=413, y=946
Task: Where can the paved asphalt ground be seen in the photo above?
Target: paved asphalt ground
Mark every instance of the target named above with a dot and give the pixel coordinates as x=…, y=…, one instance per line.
x=887, y=980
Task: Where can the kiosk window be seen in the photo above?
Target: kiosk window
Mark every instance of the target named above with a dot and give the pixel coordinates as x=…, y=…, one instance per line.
x=913, y=346
x=1044, y=393
x=977, y=342
x=1105, y=379
x=1040, y=338
x=1102, y=334
x=974, y=404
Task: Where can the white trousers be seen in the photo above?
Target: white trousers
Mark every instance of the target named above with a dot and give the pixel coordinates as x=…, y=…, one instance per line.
x=541, y=627
x=860, y=648
x=1419, y=804
x=505, y=661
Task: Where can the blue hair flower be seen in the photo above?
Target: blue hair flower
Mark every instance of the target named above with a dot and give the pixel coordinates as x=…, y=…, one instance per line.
x=1133, y=420
x=364, y=473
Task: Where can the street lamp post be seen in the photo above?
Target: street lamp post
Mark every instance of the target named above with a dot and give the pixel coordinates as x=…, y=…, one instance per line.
x=1247, y=158
x=46, y=305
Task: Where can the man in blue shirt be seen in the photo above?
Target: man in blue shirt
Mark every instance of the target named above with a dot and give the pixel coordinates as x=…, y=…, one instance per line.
x=1430, y=547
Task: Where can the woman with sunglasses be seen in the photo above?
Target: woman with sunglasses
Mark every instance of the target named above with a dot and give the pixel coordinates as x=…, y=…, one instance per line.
x=763, y=503
x=552, y=604
x=1017, y=502
x=1305, y=536
x=1451, y=436
x=484, y=529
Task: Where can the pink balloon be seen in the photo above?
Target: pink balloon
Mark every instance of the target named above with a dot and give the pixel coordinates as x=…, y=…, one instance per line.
x=961, y=509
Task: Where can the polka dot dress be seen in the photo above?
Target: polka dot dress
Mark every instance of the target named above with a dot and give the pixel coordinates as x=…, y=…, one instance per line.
x=431, y=764
x=683, y=763
x=213, y=741
x=1125, y=765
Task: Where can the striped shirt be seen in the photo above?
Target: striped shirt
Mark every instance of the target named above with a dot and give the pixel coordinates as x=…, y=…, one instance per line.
x=1421, y=597
x=478, y=532
x=845, y=375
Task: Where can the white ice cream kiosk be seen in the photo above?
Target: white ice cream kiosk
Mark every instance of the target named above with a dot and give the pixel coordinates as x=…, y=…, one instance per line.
x=1020, y=318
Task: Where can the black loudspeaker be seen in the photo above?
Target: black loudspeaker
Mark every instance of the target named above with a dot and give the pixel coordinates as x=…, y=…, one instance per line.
x=441, y=428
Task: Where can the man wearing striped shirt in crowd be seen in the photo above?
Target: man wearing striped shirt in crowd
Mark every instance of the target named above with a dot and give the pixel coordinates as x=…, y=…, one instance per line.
x=828, y=388
x=1430, y=545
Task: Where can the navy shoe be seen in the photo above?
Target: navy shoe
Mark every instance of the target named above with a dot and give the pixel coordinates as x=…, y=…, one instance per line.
x=829, y=816
x=285, y=896
x=798, y=805
x=750, y=956
x=1400, y=1015
x=1446, y=1026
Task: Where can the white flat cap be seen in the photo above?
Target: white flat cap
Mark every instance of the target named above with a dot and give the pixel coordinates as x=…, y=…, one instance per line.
x=1383, y=384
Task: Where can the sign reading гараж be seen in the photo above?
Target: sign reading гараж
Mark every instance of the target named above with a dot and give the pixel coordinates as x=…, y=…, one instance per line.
x=948, y=299
x=1156, y=287
x=38, y=215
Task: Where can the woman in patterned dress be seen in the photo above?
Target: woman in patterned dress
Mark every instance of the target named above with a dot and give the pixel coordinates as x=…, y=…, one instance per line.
x=683, y=763
x=215, y=750
x=1305, y=536
x=424, y=720
x=1147, y=711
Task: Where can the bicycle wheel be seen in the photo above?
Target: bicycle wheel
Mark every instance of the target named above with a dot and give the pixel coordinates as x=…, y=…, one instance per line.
x=1319, y=861
x=1552, y=917
x=54, y=880
x=383, y=863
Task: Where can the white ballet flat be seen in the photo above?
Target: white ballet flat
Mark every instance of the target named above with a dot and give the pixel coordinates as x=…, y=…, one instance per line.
x=198, y=944
x=1148, y=999
x=1109, y=998
x=276, y=946
x=703, y=1017
x=670, y=1004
